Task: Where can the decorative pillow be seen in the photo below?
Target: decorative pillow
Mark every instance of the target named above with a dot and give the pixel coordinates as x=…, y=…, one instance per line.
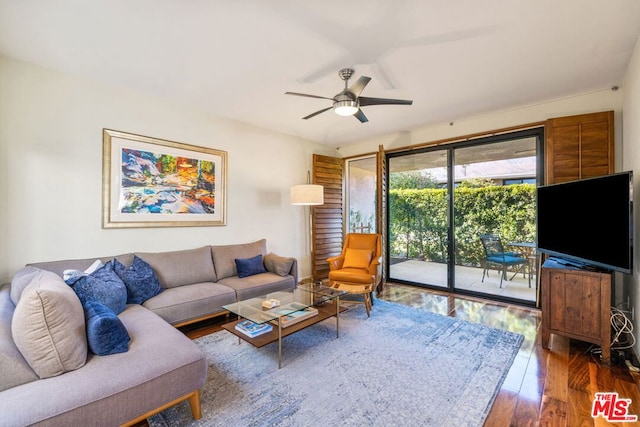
x=357, y=258
x=140, y=280
x=104, y=286
x=106, y=334
x=249, y=266
x=278, y=264
x=72, y=276
x=48, y=326
x=224, y=256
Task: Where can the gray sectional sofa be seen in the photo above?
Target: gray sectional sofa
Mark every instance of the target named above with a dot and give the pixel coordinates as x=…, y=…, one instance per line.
x=49, y=376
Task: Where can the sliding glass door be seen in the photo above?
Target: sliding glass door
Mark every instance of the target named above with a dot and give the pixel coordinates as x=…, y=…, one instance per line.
x=419, y=218
x=441, y=200
x=495, y=196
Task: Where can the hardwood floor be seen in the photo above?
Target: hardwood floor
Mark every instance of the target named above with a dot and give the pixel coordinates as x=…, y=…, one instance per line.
x=552, y=387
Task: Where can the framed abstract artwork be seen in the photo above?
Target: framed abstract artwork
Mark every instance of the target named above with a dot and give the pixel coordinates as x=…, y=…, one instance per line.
x=150, y=182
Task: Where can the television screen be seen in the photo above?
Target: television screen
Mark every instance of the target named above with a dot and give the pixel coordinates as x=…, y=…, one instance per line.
x=589, y=221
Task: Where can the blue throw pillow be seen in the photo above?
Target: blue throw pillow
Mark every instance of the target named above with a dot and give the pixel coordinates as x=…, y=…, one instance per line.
x=250, y=266
x=106, y=334
x=140, y=279
x=104, y=286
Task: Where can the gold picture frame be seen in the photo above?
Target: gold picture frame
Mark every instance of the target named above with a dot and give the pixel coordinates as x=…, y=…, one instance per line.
x=151, y=182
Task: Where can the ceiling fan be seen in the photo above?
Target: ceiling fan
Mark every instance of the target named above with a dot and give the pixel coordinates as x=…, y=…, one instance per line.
x=349, y=101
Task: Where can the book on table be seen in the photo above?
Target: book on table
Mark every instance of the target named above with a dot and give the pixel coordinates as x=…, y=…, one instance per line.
x=252, y=329
x=293, y=313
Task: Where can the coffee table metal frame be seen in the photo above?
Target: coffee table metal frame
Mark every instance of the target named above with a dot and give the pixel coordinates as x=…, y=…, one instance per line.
x=324, y=299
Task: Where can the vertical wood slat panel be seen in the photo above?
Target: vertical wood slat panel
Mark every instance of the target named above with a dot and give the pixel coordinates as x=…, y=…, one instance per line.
x=381, y=206
x=327, y=219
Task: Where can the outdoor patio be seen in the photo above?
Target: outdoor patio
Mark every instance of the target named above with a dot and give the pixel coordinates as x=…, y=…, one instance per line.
x=469, y=278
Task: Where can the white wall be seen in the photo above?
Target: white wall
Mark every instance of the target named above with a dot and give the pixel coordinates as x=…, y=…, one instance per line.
x=51, y=171
x=631, y=161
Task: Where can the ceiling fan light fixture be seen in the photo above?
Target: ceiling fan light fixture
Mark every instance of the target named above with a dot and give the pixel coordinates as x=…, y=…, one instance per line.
x=345, y=108
x=348, y=102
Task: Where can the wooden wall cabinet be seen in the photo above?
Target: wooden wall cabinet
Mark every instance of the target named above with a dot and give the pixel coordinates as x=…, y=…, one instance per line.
x=578, y=147
x=576, y=304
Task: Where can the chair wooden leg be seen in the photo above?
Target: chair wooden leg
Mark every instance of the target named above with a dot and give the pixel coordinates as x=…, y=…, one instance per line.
x=367, y=303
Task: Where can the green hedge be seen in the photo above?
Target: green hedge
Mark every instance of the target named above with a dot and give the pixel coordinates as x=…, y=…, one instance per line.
x=418, y=220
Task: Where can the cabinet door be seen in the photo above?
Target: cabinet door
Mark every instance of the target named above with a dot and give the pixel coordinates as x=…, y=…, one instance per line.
x=578, y=147
x=582, y=305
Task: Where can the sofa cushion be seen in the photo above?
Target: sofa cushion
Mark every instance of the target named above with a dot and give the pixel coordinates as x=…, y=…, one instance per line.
x=258, y=284
x=14, y=370
x=224, y=256
x=48, y=326
x=186, y=303
x=278, y=264
x=103, y=286
x=180, y=268
x=20, y=281
x=249, y=266
x=105, y=332
x=140, y=280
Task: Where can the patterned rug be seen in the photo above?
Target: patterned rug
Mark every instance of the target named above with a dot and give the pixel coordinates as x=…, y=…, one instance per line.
x=402, y=366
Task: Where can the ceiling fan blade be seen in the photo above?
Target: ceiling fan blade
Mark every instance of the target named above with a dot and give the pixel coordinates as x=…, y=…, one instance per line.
x=307, y=95
x=358, y=86
x=316, y=113
x=360, y=116
x=364, y=101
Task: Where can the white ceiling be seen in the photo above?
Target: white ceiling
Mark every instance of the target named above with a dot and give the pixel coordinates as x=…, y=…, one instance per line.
x=237, y=58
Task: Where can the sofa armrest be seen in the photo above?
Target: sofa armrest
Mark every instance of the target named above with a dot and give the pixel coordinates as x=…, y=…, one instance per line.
x=294, y=271
x=281, y=265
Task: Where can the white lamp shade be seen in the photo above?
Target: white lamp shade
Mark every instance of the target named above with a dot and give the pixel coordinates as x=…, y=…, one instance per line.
x=307, y=194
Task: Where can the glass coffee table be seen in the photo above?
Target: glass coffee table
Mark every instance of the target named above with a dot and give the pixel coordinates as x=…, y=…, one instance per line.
x=312, y=303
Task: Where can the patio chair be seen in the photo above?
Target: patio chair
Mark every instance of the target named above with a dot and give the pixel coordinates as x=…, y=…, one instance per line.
x=358, y=269
x=495, y=255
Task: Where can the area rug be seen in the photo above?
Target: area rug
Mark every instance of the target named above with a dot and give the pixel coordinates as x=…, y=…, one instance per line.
x=402, y=366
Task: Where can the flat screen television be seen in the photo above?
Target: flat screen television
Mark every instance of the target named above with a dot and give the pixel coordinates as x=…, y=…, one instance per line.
x=589, y=221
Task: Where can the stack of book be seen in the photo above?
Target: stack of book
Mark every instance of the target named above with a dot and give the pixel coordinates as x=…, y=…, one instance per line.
x=252, y=329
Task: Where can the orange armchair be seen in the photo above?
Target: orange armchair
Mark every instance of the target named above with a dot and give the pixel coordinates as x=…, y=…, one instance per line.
x=358, y=269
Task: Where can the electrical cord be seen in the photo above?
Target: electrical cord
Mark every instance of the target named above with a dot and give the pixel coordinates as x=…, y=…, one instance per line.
x=621, y=325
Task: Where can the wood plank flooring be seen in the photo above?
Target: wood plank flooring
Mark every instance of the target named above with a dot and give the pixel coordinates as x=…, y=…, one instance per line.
x=552, y=387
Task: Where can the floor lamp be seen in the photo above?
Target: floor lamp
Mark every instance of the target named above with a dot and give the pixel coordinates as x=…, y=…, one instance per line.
x=308, y=195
